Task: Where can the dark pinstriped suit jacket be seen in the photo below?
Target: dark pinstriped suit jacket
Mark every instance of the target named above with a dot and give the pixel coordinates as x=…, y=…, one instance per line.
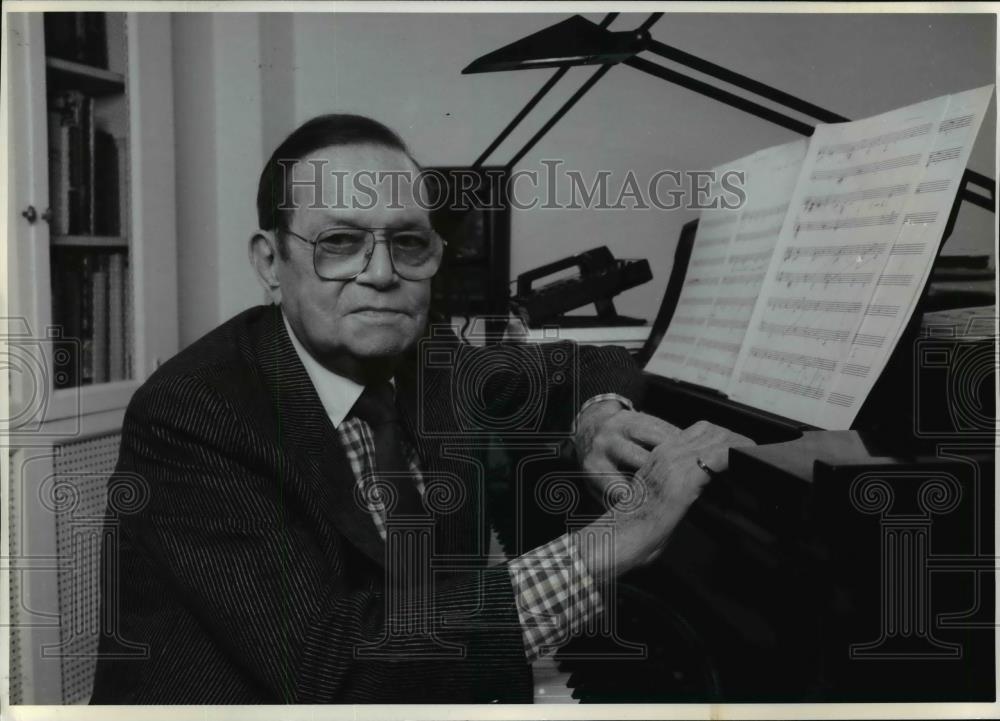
x=244, y=570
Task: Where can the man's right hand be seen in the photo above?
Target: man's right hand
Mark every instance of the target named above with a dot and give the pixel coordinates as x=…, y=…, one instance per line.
x=644, y=514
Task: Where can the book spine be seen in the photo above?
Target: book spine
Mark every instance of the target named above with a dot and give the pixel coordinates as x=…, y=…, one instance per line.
x=58, y=173
x=116, y=317
x=99, y=310
x=86, y=336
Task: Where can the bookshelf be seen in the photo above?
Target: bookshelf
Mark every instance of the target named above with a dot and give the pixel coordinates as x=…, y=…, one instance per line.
x=117, y=251
x=87, y=108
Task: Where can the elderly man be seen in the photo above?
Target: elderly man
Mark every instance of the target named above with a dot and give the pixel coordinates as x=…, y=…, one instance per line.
x=307, y=525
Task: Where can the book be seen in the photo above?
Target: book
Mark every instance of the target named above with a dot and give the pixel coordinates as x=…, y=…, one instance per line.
x=80, y=37
x=794, y=301
x=116, y=317
x=99, y=319
x=107, y=185
x=59, y=182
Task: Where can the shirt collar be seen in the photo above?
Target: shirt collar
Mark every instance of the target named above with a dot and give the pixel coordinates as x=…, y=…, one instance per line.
x=336, y=392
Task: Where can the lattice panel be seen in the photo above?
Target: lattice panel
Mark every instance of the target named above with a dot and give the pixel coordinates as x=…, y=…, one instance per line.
x=81, y=474
x=16, y=668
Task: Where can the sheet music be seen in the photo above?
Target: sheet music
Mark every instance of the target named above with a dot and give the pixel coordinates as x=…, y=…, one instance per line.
x=731, y=253
x=864, y=225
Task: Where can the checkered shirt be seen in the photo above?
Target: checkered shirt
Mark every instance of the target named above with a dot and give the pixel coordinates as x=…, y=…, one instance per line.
x=555, y=593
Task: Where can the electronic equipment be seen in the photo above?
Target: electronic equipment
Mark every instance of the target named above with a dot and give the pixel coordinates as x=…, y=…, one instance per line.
x=600, y=278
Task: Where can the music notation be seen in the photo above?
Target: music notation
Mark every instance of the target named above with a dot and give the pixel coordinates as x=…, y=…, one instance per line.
x=942, y=156
x=777, y=210
x=895, y=279
x=908, y=249
x=735, y=302
x=881, y=166
x=684, y=339
x=796, y=359
x=868, y=339
x=726, y=323
x=840, y=399
x=857, y=251
x=710, y=366
x=702, y=281
x=771, y=232
x=695, y=302
x=883, y=310
x=855, y=369
x=688, y=320
x=748, y=279
x=702, y=262
x=952, y=124
x=804, y=331
x=782, y=384
x=712, y=242
x=717, y=222
x=823, y=279
x=884, y=141
x=813, y=305
x=841, y=223
x=933, y=186
x=724, y=346
x=842, y=200
x=741, y=258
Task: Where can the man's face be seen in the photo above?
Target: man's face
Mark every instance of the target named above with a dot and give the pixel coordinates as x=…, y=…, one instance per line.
x=378, y=315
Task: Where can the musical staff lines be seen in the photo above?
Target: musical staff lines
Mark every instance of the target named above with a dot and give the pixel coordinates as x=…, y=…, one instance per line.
x=855, y=369
x=782, y=384
x=746, y=279
x=724, y=346
x=840, y=399
x=813, y=305
x=922, y=217
x=895, y=279
x=757, y=257
x=884, y=140
x=771, y=232
x=790, y=278
x=868, y=339
x=705, y=262
x=780, y=211
x=840, y=200
x=804, y=331
x=856, y=251
x=958, y=123
x=880, y=166
x=882, y=310
x=797, y=359
x=710, y=366
x=867, y=221
x=908, y=249
x=943, y=156
x=688, y=320
x=933, y=186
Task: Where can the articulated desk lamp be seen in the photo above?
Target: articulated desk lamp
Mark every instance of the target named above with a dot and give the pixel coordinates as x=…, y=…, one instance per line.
x=578, y=41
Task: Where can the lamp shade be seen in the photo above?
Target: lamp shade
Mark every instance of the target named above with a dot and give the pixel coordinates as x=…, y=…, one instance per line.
x=574, y=41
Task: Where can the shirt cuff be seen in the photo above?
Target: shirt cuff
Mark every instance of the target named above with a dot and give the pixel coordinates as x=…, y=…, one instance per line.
x=556, y=596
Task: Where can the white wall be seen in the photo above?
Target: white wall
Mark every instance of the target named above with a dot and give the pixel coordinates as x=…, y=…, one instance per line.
x=404, y=70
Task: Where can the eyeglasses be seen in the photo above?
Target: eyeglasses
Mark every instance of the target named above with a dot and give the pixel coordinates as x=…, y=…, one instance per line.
x=344, y=253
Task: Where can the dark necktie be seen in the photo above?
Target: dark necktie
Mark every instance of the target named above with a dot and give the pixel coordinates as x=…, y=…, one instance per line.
x=377, y=408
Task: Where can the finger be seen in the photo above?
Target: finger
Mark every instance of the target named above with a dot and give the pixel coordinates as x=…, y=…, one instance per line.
x=648, y=430
x=715, y=457
x=625, y=453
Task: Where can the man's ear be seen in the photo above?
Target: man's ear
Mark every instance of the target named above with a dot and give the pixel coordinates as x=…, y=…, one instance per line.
x=264, y=256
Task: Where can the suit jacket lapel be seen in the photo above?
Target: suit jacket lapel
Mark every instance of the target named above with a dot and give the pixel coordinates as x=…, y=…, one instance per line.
x=306, y=432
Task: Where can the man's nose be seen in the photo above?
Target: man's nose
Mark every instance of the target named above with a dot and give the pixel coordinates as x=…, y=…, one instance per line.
x=379, y=271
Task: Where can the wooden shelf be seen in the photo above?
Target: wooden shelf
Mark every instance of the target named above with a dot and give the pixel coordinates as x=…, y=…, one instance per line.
x=67, y=75
x=89, y=241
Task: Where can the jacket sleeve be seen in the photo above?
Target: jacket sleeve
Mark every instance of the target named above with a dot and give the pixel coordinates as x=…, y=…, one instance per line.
x=545, y=383
x=290, y=610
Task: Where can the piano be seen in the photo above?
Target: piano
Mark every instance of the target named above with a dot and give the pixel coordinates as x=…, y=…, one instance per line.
x=824, y=566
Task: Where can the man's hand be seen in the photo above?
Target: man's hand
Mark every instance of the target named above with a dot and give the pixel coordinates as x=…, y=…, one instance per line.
x=659, y=494
x=613, y=442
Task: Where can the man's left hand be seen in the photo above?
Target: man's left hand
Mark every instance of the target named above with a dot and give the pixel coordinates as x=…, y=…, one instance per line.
x=612, y=442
